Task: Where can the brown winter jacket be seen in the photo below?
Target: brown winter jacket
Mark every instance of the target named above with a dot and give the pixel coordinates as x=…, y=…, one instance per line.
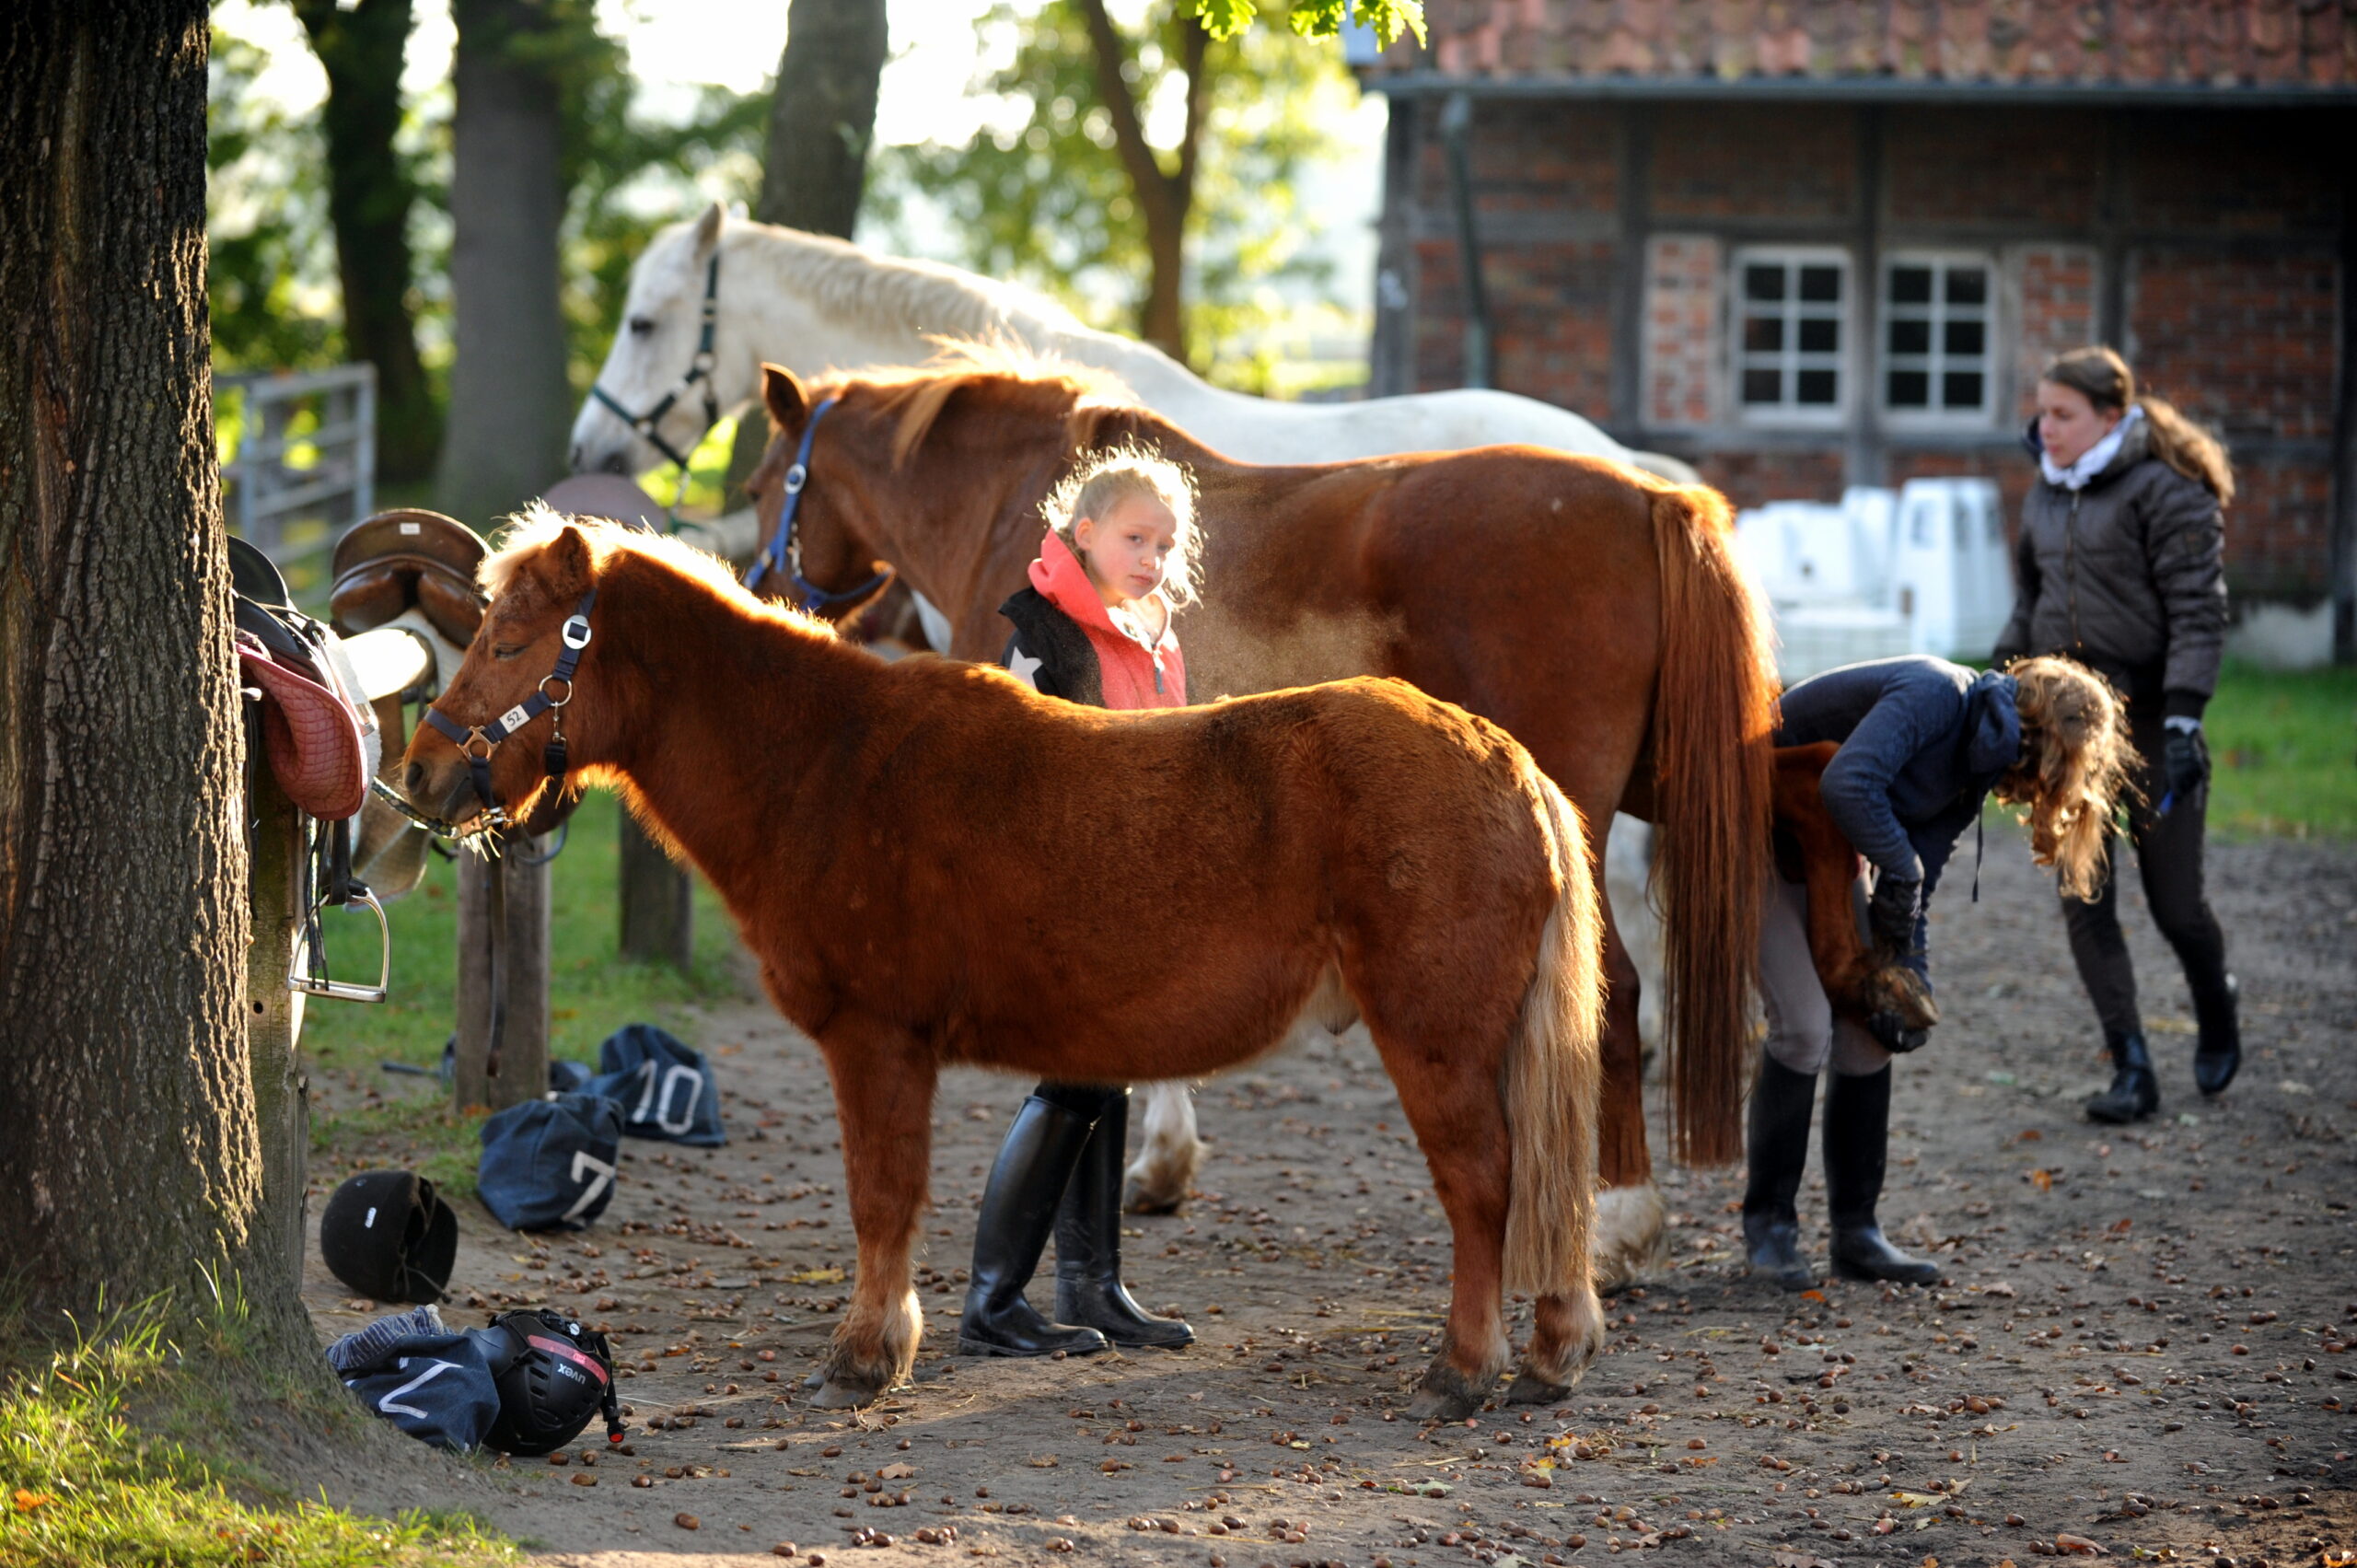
x=2127, y=575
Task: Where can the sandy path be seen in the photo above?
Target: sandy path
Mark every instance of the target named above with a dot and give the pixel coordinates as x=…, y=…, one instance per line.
x=2140, y=1343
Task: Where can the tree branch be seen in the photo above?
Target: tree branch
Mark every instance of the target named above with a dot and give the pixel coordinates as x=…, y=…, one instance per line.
x=1155, y=194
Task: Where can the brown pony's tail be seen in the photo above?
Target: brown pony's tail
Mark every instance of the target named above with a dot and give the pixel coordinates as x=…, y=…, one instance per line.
x=1713, y=780
x=1553, y=1075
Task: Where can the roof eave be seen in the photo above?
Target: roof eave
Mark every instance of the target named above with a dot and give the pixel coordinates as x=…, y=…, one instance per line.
x=1425, y=82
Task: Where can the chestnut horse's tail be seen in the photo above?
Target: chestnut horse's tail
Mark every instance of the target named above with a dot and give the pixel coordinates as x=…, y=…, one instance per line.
x=1553, y=1075
x=1714, y=779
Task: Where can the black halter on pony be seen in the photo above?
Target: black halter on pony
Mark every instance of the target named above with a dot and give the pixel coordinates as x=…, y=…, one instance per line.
x=699, y=371
x=785, y=548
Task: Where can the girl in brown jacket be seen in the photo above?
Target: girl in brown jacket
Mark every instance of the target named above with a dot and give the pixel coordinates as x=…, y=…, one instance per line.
x=2121, y=567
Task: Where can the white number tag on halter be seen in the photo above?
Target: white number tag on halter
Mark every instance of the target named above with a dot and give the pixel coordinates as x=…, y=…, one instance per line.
x=515, y=719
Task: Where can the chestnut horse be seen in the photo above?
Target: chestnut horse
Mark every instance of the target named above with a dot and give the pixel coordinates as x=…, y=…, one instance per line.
x=926, y=858
x=1593, y=610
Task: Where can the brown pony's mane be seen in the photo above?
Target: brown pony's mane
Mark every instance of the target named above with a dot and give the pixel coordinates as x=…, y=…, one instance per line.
x=531, y=531
x=1031, y=382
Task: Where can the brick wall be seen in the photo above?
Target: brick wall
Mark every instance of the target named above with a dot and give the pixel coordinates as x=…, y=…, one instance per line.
x=2226, y=234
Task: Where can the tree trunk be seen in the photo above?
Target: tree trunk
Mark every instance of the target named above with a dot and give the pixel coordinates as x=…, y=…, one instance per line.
x=130, y=1161
x=822, y=120
x=1164, y=198
x=823, y=115
x=510, y=407
x=369, y=197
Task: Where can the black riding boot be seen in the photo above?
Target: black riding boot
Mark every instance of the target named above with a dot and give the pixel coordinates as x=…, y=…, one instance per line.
x=1088, y=1245
x=1775, y=1152
x=2135, y=1093
x=1034, y=1167
x=2220, y=1053
x=1857, y=1137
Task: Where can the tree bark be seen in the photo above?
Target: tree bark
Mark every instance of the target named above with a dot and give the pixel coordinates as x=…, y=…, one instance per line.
x=814, y=168
x=369, y=197
x=130, y=1160
x=1164, y=198
x=510, y=406
x=822, y=115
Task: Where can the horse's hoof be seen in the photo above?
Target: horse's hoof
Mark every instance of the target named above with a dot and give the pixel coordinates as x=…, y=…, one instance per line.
x=1445, y=1394
x=812, y=1383
x=834, y=1396
x=1529, y=1388
x=1136, y=1199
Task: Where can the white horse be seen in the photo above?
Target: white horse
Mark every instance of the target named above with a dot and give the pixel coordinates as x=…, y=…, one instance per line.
x=713, y=298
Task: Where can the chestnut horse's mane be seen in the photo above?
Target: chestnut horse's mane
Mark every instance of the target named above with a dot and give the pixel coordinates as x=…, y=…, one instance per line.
x=1042, y=382
x=531, y=529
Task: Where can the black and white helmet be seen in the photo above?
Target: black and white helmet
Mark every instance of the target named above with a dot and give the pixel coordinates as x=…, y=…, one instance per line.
x=554, y=1374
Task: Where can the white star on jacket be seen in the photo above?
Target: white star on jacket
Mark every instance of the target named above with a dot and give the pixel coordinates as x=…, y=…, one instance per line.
x=1024, y=667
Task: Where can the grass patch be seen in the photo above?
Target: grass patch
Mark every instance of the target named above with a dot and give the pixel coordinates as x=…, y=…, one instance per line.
x=95, y=1467
x=592, y=990
x=2284, y=752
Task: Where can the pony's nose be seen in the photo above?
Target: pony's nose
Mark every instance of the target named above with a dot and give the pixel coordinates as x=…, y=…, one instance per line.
x=412, y=777
x=573, y=459
x=616, y=462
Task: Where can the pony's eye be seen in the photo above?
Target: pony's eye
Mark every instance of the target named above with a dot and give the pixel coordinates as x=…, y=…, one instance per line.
x=641, y=325
x=506, y=650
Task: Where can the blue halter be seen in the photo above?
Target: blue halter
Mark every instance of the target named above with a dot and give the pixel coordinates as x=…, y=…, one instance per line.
x=784, y=548
x=476, y=744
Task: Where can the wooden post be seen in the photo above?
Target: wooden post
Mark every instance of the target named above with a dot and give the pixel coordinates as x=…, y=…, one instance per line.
x=657, y=910
x=273, y=1014
x=523, y=1053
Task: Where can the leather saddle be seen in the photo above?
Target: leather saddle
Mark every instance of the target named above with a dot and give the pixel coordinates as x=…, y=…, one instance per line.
x=408, y=559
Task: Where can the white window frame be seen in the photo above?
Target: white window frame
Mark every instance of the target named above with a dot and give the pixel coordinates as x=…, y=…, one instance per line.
x=1934, y=363
x=1843, y=361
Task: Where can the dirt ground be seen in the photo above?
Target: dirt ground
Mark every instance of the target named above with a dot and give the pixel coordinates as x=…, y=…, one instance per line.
x=2140, y=1349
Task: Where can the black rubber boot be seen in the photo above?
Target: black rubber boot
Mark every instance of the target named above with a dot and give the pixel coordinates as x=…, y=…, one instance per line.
x=1035, y=1165
x=2135, y=1093
x=2220, y=1054
x=1776, y=1151
x=1857, y=1137
x=1088, y=1245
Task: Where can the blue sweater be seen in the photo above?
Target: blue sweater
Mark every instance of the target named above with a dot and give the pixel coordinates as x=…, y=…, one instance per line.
x=1922, y=742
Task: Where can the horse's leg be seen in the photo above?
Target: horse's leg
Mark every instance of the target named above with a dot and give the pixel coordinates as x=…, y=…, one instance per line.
x=1630, y=1218
x=1159, y=1181
x=1461, y=1126
x=1567, y=1333
x=884, y=1080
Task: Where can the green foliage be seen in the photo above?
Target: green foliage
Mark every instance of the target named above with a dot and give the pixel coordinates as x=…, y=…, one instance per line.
x=1041, y=197
x=110, y=1454
x=271, y=281
x=1316, y=18
x=2284, y=752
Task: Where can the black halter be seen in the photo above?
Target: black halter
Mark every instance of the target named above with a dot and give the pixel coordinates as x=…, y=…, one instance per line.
x=699, y=371
x=477, y=744
x=785, y=547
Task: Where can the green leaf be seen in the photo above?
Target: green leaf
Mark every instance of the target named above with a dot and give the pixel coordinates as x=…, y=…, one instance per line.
x=1225, y=19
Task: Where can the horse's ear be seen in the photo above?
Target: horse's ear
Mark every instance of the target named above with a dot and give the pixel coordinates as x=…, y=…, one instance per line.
x=565, y=562
x=708, y=228
x=781, y=390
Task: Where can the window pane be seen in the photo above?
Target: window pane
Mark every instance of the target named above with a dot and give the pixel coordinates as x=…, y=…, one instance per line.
x=1763, y=334
x=1763, y=386
x=1820, y=283
x=1910, y=337
x=1821, y=334
x=1960, y=389
x=1910, y=286
x=1967, y=338
x=1909, y=388
x=1968, y=285
x=1763, y=282
x=1817, y=389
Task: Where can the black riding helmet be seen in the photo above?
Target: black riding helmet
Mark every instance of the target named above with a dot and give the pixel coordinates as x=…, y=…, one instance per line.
x=554, y=1374
x=389, y=1235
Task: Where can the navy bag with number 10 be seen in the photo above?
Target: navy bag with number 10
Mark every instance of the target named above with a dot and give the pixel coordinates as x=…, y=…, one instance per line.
x=666, y=1089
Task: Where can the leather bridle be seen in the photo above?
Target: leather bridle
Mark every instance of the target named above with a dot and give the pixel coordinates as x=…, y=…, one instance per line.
x=785, y=548
x=699, y=374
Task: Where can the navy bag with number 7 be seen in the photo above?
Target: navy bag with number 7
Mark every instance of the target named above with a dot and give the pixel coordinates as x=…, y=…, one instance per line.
x=548, y=1164
x=666, y=1090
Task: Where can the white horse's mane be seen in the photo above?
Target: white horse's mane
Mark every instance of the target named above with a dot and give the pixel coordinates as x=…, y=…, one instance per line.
x=895, y=294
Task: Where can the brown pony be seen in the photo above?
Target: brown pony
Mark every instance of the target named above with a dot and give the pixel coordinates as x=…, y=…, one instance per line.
x=926, y=858
x=1593, y=610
